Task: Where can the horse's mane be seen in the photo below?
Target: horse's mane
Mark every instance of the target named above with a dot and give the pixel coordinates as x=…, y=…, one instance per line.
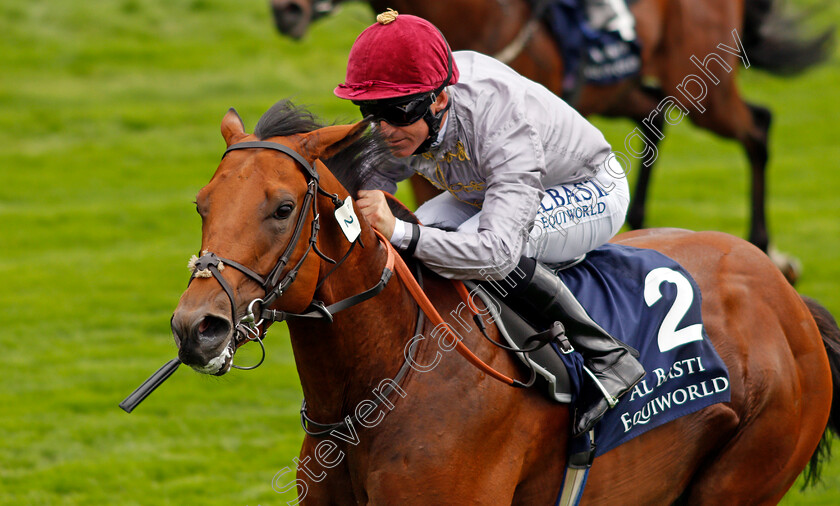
x=285, y=118
x=354, y=166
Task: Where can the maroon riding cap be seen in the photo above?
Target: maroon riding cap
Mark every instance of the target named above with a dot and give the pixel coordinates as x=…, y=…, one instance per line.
x=396, y=56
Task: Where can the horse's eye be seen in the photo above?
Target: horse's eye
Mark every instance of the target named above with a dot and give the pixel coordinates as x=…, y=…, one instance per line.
x=283, y=211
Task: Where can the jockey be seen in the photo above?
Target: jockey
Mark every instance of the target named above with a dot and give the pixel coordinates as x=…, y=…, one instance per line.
x=527, y=180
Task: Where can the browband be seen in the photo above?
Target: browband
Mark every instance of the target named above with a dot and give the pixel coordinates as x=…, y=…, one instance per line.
x=277, y=147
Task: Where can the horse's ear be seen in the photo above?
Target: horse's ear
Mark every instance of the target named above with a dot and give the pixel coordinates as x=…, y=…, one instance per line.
x=326, y=142
x=233, y=128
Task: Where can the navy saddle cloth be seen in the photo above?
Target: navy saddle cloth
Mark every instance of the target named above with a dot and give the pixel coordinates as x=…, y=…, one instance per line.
x=647, y=300
x=600, y=57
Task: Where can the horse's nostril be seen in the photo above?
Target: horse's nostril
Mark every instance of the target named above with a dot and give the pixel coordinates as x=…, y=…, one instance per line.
x=175, y=334
x=212, y=328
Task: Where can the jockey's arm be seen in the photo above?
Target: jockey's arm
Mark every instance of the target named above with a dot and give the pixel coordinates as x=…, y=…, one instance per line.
x=491, y=243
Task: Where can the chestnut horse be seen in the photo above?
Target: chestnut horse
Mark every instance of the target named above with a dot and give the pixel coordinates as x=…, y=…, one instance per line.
x=671, y=33
x=449, y=433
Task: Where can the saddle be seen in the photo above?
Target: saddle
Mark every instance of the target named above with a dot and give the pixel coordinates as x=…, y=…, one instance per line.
x=551, y=362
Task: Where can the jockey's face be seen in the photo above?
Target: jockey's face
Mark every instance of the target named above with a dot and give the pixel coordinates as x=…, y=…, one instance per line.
x=404, y=140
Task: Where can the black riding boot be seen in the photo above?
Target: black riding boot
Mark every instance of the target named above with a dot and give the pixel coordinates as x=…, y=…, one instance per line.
x=540, y=296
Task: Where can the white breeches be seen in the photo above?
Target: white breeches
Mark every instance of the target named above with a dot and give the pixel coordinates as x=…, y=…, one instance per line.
x=572, y=218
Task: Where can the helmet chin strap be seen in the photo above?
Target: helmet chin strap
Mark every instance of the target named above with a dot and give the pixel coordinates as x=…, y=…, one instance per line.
x=433, y=120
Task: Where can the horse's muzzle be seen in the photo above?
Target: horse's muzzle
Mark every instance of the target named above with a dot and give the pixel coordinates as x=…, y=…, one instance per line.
x=203, y=340
x=290, y=18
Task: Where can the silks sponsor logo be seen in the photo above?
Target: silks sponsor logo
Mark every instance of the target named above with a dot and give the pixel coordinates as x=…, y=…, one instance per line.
x=659, y=405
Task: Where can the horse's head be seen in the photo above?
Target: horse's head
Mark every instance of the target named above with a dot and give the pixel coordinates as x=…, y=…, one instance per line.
x=292, y=17
x=257, y=235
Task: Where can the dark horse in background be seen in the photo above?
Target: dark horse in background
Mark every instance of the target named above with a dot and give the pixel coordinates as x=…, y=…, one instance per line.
x=670, y=32
x=455, y=435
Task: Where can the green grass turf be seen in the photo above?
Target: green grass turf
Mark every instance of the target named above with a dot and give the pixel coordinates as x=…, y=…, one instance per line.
x=110, y=125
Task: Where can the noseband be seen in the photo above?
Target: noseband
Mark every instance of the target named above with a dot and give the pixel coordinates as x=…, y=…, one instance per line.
x=248, y=326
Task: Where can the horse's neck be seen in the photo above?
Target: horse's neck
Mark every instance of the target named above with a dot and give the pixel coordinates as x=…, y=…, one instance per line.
x=338, y=362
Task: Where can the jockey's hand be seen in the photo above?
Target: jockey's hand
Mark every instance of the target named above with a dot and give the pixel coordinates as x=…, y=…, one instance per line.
x=375, y=209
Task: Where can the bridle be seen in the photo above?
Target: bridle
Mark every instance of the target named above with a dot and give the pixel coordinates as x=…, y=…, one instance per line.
x=251, y=328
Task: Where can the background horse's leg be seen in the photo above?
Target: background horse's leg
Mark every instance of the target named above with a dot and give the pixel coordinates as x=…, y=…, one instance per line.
x=702, y=76
x=637, y=102
x=636, y=214
x=728, y=115
x=756, y=147
x=701, y=68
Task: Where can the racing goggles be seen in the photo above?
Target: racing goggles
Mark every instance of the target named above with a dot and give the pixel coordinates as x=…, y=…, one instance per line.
x=399, y=112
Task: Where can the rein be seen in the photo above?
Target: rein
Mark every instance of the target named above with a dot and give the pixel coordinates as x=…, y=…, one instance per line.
x=434, y=317
x=316, y=429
